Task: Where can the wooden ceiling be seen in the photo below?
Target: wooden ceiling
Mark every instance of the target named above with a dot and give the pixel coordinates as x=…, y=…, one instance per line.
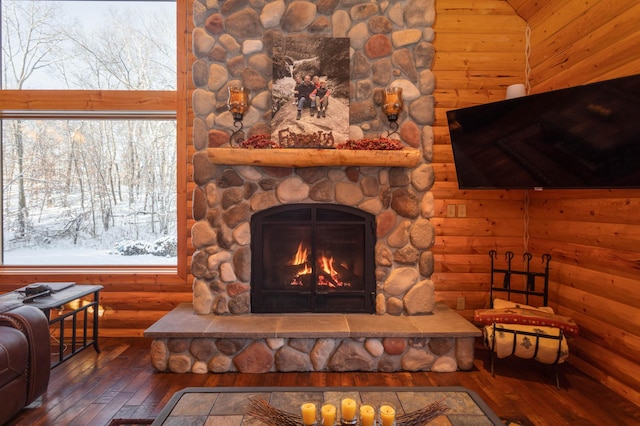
x=527, y=8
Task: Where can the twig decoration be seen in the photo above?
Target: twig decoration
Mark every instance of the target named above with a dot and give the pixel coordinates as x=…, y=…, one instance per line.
x=271, y=416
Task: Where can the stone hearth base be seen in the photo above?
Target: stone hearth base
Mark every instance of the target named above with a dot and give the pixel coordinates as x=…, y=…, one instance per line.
x=184, y=342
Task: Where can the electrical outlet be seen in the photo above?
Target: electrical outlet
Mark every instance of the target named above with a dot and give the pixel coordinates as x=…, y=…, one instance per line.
x=451, y=210
x=462, y=210
x=460, y=303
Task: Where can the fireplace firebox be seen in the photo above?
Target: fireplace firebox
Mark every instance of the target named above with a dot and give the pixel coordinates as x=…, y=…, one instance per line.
x=312, y=258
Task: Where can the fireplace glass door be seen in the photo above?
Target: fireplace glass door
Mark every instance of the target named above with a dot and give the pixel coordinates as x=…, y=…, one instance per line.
x=312, y=258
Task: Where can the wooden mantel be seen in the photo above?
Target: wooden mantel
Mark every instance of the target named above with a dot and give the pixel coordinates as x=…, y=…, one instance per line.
x=310, y=157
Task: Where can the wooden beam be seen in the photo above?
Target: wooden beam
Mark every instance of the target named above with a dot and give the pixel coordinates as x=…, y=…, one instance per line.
x=87, y=103
x=303, y=157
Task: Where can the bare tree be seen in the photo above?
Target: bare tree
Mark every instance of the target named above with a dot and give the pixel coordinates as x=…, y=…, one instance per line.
x=101, y=175
x=23, y=54
x=26, y=52
x=134, y=58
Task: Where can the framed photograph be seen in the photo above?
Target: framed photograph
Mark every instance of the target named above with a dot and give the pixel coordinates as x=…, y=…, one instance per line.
x=310, y=91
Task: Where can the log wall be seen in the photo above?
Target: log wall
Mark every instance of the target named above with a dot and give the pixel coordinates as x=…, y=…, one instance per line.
x=593, y=236
x=480, y=49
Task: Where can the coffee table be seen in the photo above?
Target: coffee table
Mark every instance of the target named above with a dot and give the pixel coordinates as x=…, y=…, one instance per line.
x=227, y=406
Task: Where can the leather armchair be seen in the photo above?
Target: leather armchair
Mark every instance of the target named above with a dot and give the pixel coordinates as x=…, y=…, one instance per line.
x=25, y=357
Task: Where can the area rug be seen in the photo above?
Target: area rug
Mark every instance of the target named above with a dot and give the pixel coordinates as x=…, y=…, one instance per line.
x=227, y=406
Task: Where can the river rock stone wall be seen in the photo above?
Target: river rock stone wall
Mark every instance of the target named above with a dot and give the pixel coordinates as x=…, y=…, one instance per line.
x=390, y=44
x=204, y=355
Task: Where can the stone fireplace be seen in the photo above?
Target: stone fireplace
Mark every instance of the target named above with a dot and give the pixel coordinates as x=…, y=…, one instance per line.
x=390, y=45
x=403, y=327
x=402, y=260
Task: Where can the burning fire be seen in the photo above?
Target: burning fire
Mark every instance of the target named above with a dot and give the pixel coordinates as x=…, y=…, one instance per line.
x=327, y=273
x=301, y=256
x=326, y=264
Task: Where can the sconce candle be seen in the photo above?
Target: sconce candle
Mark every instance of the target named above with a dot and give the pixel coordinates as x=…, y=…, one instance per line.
x=392, y=103
x=238, y=101
x=238, y=104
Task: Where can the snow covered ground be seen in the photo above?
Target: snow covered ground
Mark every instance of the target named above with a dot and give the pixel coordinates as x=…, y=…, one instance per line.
x=81, y=257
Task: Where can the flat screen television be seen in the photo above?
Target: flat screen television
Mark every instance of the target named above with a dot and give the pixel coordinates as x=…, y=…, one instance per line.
x=581, y=137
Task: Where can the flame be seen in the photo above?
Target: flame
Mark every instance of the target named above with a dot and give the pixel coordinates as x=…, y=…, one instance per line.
x=301, y=256
x=305, y=271
x=325, y=264
x=300, y=259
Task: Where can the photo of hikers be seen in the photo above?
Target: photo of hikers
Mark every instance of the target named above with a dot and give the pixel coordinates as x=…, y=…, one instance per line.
x=310, y=91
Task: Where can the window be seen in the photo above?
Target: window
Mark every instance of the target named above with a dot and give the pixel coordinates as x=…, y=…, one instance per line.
x=89, y=133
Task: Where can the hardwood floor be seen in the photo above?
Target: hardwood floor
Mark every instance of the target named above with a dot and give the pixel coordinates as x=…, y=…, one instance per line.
x=92, y=389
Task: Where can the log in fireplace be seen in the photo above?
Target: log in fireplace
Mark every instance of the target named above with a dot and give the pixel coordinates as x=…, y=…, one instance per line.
x=313, y=258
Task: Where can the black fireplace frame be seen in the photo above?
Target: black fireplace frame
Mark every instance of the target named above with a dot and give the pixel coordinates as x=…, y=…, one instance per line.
x=313, y=300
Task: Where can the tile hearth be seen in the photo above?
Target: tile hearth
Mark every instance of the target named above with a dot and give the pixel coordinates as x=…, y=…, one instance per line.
x=186, y=342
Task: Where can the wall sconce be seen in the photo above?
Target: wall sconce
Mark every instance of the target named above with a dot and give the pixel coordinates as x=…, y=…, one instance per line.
x=238, y=104
x=392, y=105
x=516, y=91
x=519, y=90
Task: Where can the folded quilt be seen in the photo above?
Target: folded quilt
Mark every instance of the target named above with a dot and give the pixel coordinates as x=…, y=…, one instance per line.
x=543, y=347
x=531, y=317
x=502, y=304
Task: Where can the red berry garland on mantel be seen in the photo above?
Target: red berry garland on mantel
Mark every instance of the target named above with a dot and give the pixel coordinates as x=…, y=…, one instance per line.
x=371, y=144
x=263, y=141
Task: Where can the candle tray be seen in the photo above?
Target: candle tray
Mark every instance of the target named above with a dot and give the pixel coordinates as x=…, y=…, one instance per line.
x=261, y=410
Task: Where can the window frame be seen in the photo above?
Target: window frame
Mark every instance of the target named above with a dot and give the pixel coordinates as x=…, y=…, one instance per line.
x=108, y=104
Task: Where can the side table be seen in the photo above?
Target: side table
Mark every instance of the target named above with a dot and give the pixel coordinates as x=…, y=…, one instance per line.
x=57, y=301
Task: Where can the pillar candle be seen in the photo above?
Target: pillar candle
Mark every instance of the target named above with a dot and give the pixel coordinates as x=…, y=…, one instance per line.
x=348, y=409
x=308, y=413
x=328, y=412
x=387, y=415
x=367, y=415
